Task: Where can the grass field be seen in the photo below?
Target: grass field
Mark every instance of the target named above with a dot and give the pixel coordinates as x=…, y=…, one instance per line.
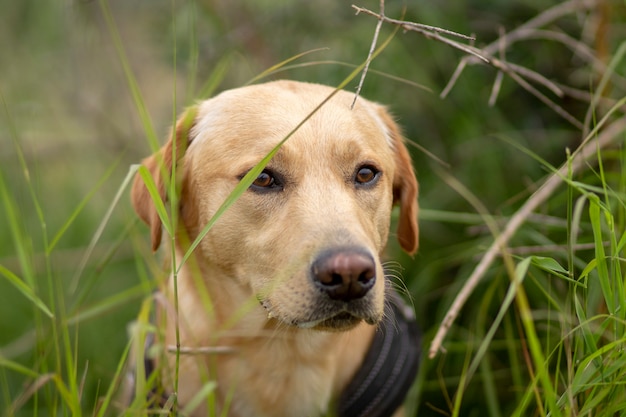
x=522, y=176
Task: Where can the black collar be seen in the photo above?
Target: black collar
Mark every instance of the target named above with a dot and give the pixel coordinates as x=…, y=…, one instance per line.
x=380, y=385
x=390, y=366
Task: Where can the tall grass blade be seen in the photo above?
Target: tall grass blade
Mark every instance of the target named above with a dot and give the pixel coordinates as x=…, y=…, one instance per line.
x=105, y=402
x=520, y=273
x=382, y=74
x=589, y=337
x=600, y=255
x=458, y=397
x=535, y=347
x=218, y=74
x=80, y=208
x=204, y=391
x=106, y=305
x=274, y=68
x=26, y=291
x=21, y=241
x=14, y=366
x=194, y=50
x=96, y=236
x=130, y=77
x=592, y=369
x=139, y=335
x=155, y=195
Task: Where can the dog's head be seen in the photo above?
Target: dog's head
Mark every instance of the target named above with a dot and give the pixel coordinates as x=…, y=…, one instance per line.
x=306, y=237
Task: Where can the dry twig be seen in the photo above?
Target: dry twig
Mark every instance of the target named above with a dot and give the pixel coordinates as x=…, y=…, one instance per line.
x=430, y=32
x=497, y=84
x=585, y=152
x=371, y=52
x=521, y=75
x=530, y=30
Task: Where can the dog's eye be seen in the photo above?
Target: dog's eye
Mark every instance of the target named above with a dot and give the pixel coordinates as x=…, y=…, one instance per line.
x=366, y=175
x=266, y=181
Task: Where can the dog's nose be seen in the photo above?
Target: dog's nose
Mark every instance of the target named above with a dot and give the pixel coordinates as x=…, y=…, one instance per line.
x=344, y=275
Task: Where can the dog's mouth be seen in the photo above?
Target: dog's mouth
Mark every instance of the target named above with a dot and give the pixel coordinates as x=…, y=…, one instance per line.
x=341, y=320
x=338, y=322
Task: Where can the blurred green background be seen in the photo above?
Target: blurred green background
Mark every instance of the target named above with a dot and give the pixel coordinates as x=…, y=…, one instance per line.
x=69, y=115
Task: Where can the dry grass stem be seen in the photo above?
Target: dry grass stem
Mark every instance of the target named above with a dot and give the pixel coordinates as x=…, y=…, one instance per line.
x=532, y=250
x=558, y=109
x=524, y=31
x=579, y=160
x=430, y=32
x=530, y=30
x=371, y=52
x=411, y=25
x=497, y=84
x=454, y=78
x=521, y=75
x=579, y=48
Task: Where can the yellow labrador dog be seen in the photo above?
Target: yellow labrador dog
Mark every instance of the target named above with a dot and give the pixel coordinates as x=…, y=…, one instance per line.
x=282, y=300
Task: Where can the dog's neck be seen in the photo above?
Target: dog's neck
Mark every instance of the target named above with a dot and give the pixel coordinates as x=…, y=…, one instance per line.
x=269, y=365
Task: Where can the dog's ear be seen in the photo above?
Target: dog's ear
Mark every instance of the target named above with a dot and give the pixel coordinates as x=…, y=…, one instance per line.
x=405, y=188
x=160, y=167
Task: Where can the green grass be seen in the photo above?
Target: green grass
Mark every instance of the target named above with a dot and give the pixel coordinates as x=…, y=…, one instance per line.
x=90, y=87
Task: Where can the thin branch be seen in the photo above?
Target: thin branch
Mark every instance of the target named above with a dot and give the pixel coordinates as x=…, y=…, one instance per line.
x=430, y=32
x=540, y=20
x=508, y=68
x=531, y=75
x=411, y=25
x=455, y=76
x=497, y=84
x=532, y=250
x=522, y=32
x=579, y=48
x=514, y=71
x=589, y=149
x=371, y=52
x=558, y=109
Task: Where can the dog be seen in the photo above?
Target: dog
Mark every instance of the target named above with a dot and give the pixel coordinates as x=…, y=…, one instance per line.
x=289, y=279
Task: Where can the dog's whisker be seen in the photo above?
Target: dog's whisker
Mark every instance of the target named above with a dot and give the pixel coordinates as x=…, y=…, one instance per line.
x=393, y=278
x=392, y=266
x=397, y=284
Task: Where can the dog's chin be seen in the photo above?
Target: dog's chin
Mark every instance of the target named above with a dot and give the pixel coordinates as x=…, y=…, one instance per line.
x=338, y=323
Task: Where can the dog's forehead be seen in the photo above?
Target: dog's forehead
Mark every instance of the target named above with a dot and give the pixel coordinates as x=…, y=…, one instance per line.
x=256, y=118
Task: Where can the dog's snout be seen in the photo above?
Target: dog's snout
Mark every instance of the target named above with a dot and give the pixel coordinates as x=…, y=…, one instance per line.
x=344, y=275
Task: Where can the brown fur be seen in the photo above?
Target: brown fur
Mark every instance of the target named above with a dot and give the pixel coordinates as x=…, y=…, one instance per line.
x=248, y=285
